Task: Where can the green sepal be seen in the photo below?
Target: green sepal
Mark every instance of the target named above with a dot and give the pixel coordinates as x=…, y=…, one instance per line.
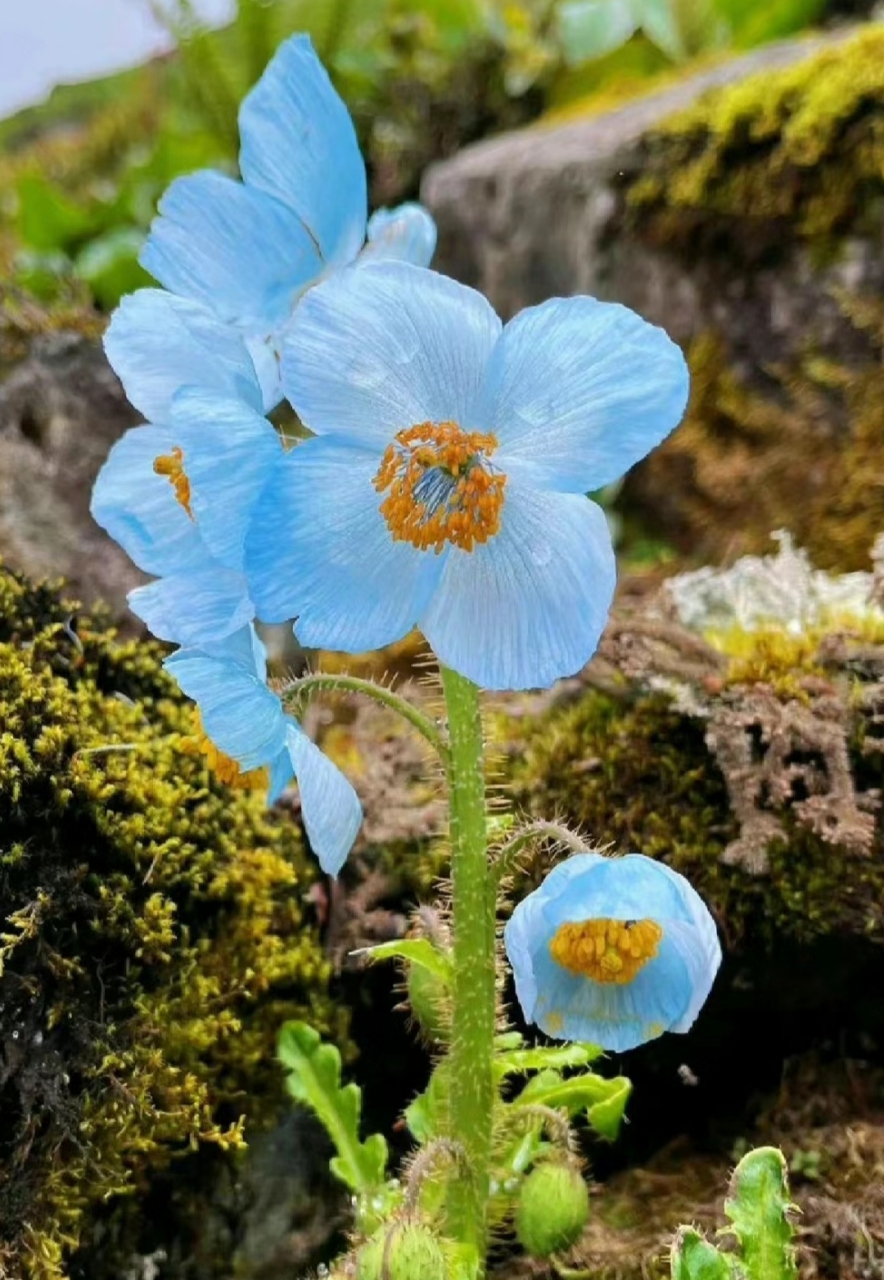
x=603, y=1100
x=758, y=1206
x=419, y=951
x=314, y=1078
x=694, y=1258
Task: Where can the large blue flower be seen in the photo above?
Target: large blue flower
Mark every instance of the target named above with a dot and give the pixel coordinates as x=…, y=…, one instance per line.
x=249, y=249
x=246, y=729
x=177, y=494
x=445, y=484
x=613, y=951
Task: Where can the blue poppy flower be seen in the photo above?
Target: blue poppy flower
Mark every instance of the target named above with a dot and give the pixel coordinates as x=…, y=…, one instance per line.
x=612, y=951
x=248, y=250
x=178, y=496
x=445, y=484
x=246, y=728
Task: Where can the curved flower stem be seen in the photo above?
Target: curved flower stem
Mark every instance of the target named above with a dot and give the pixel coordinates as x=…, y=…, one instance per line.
x=318, y=681
x=507, y=854
x=471, y=1055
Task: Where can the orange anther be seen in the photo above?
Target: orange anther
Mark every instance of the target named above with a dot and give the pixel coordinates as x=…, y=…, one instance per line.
x=172, y=465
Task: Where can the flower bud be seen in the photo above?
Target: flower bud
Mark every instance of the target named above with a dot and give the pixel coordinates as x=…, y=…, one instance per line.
x=410, y=1251
x=552, y=1209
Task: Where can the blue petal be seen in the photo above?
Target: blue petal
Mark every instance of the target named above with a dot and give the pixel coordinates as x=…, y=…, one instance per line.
x=329, y=806
x=206, y=603
x=579, y=390
x=319, y=549
x=267, y=361
x=236, y=250
x=239, y=713
x=630, y=888
x=529, y=605
x=281, y=773
x=138, y=508
x=409, y=346
x=158, y=343
x=229, y=452
x=404, y=234
x=299, y=145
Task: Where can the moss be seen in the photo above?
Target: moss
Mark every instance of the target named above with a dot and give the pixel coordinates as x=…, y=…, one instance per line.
x=771, y=192
x=154, y=934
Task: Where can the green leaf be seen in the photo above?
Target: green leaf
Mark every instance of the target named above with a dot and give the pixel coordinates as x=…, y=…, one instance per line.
x=315, y=1079
x=518, y=1061
x=694, y=1258
x=427, y=1116
x=606, y=1115
x=589, y=29
x=603, y=1100
x=109, y=265
x=758, y=1206
x=419, y=951
x=47, y=219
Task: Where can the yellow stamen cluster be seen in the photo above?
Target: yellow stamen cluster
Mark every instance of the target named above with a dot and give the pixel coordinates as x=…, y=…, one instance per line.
x=468, y=499
x=172, y=465
x=606, y=950
x=224, y=767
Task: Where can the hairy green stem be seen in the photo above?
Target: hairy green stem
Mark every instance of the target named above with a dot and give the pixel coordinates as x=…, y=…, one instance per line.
x=316, y=682
x=508, y=854
x=473, y=1016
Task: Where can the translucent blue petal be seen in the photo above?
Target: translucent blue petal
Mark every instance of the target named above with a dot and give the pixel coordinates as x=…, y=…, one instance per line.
x=299, y=145
x=630, y=888
x=701, y=952
x=158, y=343
x=409, y=346
x=319, y=550
x=529, y=605
x=329, y=806
x=266, y=359
x=579, y=390
x=138, y=508
x=232, y=248
x=205, y=603
x=243, y=718
x=404, y=234
x=229, y=452
x=281, y=773
x=520, y=938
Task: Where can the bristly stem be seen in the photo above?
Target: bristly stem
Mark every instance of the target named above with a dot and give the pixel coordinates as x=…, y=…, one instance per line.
x=507, y=856
x=316, y=682
x=470, y=1058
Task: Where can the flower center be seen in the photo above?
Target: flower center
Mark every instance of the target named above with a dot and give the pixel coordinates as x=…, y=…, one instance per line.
x=606, y=950
x=172, y=465
x=441, y=487
x=224, y=767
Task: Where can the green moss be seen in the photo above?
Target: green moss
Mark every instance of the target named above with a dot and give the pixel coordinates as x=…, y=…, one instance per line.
x=153, y=939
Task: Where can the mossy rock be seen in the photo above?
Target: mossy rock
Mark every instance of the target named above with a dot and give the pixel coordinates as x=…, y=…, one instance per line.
x=154, y=936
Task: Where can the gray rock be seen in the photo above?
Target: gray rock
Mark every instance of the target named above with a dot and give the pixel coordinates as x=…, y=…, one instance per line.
x=61, y=409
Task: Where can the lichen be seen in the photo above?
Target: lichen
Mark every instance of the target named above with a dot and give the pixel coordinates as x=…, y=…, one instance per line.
x=154, y=935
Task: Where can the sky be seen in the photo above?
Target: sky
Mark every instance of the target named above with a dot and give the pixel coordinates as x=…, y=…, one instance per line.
x=49, y=42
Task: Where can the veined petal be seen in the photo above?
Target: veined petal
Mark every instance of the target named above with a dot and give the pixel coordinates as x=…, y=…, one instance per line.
x=138, y=508
x=617, y=888
x=410, y=346
x=158, y=343
x=578, y=390
x=205, y=603
x=266, y=359
x=319, y=549
x=299, y=145
x=229, y=451
x=404, y=234
x=232, y=248
x=329, y=806
x=529, y=605
x=243, y=718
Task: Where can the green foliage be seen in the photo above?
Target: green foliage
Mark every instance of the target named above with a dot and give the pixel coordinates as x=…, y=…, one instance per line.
x=153, y=932
x=758, y=1207
x=314, y=1079
x=552, y=1209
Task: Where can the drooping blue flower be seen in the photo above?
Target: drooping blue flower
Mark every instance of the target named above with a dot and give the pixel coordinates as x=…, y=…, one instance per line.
x=612, y=951
x=249, y=249
x=247, y=729
x=445, y=485
x=177, y=494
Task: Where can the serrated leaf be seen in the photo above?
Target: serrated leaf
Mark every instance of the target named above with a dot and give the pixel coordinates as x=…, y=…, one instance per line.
x=758, y=1206
x=419, y=951
x=518, y=1061
x=694, y=1258
x=603, y=1100
x=315, y=1079
x=606, y=1116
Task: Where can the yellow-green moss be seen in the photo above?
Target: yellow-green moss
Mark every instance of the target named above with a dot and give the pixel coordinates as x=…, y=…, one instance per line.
x=154, y=932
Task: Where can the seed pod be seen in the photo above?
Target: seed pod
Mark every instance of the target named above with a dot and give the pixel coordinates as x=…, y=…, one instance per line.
x=552, y=1209
x=406, y=1251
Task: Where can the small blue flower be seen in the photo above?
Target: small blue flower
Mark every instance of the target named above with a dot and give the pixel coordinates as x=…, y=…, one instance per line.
x=177, y=494
x=248, y=250
x=445, y=483
x=612, y=951
x=246, y=729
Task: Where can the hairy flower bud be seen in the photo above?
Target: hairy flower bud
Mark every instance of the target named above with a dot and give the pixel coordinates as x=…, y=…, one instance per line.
x=552, y=1210
x=404, y=1252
